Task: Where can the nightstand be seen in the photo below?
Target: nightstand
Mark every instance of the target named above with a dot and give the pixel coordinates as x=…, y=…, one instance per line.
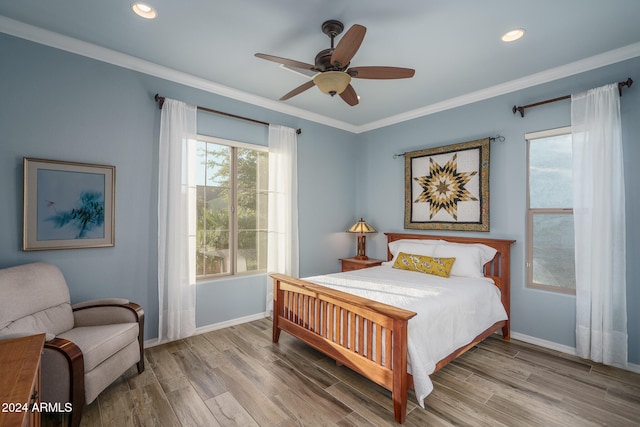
x=350, y=264
x=20, y=380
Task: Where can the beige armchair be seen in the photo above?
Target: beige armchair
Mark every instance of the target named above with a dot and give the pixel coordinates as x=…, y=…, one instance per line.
x=88, y=345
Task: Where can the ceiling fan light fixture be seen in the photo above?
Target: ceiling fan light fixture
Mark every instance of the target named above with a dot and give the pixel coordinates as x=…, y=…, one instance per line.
x=332, y=82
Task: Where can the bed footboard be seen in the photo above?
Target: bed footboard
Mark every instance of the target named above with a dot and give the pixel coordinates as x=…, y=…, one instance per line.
x=366, y=336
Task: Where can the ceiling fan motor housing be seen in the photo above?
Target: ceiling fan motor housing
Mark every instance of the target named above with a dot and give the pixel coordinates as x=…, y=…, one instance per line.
x=331, y=28
x=323, y=61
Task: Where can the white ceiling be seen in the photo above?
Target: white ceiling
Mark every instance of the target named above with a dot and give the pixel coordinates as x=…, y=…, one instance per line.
x=454, y=46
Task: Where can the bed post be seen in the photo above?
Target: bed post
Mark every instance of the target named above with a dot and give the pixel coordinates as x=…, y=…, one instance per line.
x=278, y=308
x=505, y=288
x=400, y=379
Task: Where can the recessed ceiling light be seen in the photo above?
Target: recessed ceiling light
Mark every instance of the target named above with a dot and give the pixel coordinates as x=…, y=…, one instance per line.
x=144, y=10
x=513, y=35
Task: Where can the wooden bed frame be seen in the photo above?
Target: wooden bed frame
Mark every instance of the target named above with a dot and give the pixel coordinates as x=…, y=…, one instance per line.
x=322, y=317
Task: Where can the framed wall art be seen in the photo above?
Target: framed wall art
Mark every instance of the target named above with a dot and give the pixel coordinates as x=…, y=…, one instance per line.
x=447, y=188
x=67, y=205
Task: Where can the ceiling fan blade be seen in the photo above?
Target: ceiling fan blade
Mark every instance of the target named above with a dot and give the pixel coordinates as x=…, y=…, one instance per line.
x=350, y=96
x=298, y=90
x=348, y=46
x=380, y=72
x=285, y=61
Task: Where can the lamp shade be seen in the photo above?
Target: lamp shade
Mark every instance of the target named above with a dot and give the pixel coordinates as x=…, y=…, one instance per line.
x=361, y=227
x=332, y=82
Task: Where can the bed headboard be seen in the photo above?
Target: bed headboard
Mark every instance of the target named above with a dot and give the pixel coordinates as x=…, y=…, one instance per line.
x=497, y=269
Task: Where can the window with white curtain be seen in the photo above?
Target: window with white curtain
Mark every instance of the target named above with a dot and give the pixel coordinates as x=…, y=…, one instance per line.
x=550, y=236
x=232, y=192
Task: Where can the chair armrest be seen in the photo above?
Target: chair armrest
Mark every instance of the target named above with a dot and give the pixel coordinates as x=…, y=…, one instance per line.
x=106, y=312
x=63, y=376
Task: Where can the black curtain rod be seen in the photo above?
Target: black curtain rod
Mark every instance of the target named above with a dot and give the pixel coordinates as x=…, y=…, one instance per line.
x=498, y=138
x=521, y=109
x=160, y=100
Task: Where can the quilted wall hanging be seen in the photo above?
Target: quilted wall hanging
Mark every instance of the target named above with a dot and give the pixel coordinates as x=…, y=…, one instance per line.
x=447, y=188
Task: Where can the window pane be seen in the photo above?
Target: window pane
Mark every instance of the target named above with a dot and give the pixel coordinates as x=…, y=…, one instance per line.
x=550, y=176
x=213, y=231
x=252, y=169
x=252, y=250
x=553, y=250
x=263, y=171
x=214, y=164
x=252, y=210
x=213, y=210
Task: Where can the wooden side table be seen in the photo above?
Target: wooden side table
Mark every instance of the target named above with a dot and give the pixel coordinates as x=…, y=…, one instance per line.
x=350, y=264
x=20, y=380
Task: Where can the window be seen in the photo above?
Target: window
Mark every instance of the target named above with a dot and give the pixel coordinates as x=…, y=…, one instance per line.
x=232, y=185
x=550, y=243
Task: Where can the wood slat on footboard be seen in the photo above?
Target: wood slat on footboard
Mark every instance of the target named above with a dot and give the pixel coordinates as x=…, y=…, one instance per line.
x=368, y=337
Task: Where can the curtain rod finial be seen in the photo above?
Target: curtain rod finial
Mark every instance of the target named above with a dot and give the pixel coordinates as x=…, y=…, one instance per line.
x=516, y=109
x=626, y=83
x=160, y=100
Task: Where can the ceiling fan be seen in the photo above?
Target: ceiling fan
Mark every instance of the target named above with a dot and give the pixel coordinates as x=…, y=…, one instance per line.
x=334, y=74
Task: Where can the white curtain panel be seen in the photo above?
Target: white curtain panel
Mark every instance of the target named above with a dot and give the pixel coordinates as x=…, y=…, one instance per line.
x=177, y=221
x=599, y=215
x=283, y=206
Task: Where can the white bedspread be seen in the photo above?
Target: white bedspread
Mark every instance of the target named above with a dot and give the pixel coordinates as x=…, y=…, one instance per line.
x=450, y=312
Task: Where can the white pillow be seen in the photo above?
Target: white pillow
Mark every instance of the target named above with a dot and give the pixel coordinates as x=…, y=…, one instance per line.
x=470, y=257
x=394, y=246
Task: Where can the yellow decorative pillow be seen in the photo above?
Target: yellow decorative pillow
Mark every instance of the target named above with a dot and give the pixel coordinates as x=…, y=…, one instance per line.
x=424, y=264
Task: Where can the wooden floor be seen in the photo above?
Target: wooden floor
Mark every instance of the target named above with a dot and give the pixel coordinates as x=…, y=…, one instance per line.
x=237, y=377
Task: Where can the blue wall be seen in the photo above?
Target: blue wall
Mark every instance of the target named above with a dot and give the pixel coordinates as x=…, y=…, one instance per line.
x=58, y=105
x=540, y=314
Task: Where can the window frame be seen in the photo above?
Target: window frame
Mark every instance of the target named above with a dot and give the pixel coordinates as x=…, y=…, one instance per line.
x=532, y=212
x=233, y=207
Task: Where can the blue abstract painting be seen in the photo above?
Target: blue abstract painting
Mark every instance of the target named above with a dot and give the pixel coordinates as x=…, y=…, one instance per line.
x=70, y=205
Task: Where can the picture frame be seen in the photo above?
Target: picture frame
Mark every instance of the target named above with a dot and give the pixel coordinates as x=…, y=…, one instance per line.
x=67, y=205
x=447, y=188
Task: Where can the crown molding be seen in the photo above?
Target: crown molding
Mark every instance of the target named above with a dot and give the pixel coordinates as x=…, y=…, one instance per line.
x=69, y=44
x=90, y=50
x=577, y=67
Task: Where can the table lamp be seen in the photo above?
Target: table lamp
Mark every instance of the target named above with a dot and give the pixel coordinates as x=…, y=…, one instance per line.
x=361, y=227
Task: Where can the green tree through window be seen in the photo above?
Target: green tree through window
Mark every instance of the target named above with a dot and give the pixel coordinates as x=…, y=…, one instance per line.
x=231, y=209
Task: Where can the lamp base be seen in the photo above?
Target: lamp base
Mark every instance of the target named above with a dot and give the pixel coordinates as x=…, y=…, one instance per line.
x=362, y=245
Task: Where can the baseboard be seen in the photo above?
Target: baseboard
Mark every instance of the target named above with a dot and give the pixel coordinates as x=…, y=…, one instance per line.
x=214, y=327
x=561, y=348
x=544, y=343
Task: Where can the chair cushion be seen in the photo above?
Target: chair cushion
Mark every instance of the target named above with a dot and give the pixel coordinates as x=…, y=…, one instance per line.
x=98, y=343
x=97, y=380
x=35, y=298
